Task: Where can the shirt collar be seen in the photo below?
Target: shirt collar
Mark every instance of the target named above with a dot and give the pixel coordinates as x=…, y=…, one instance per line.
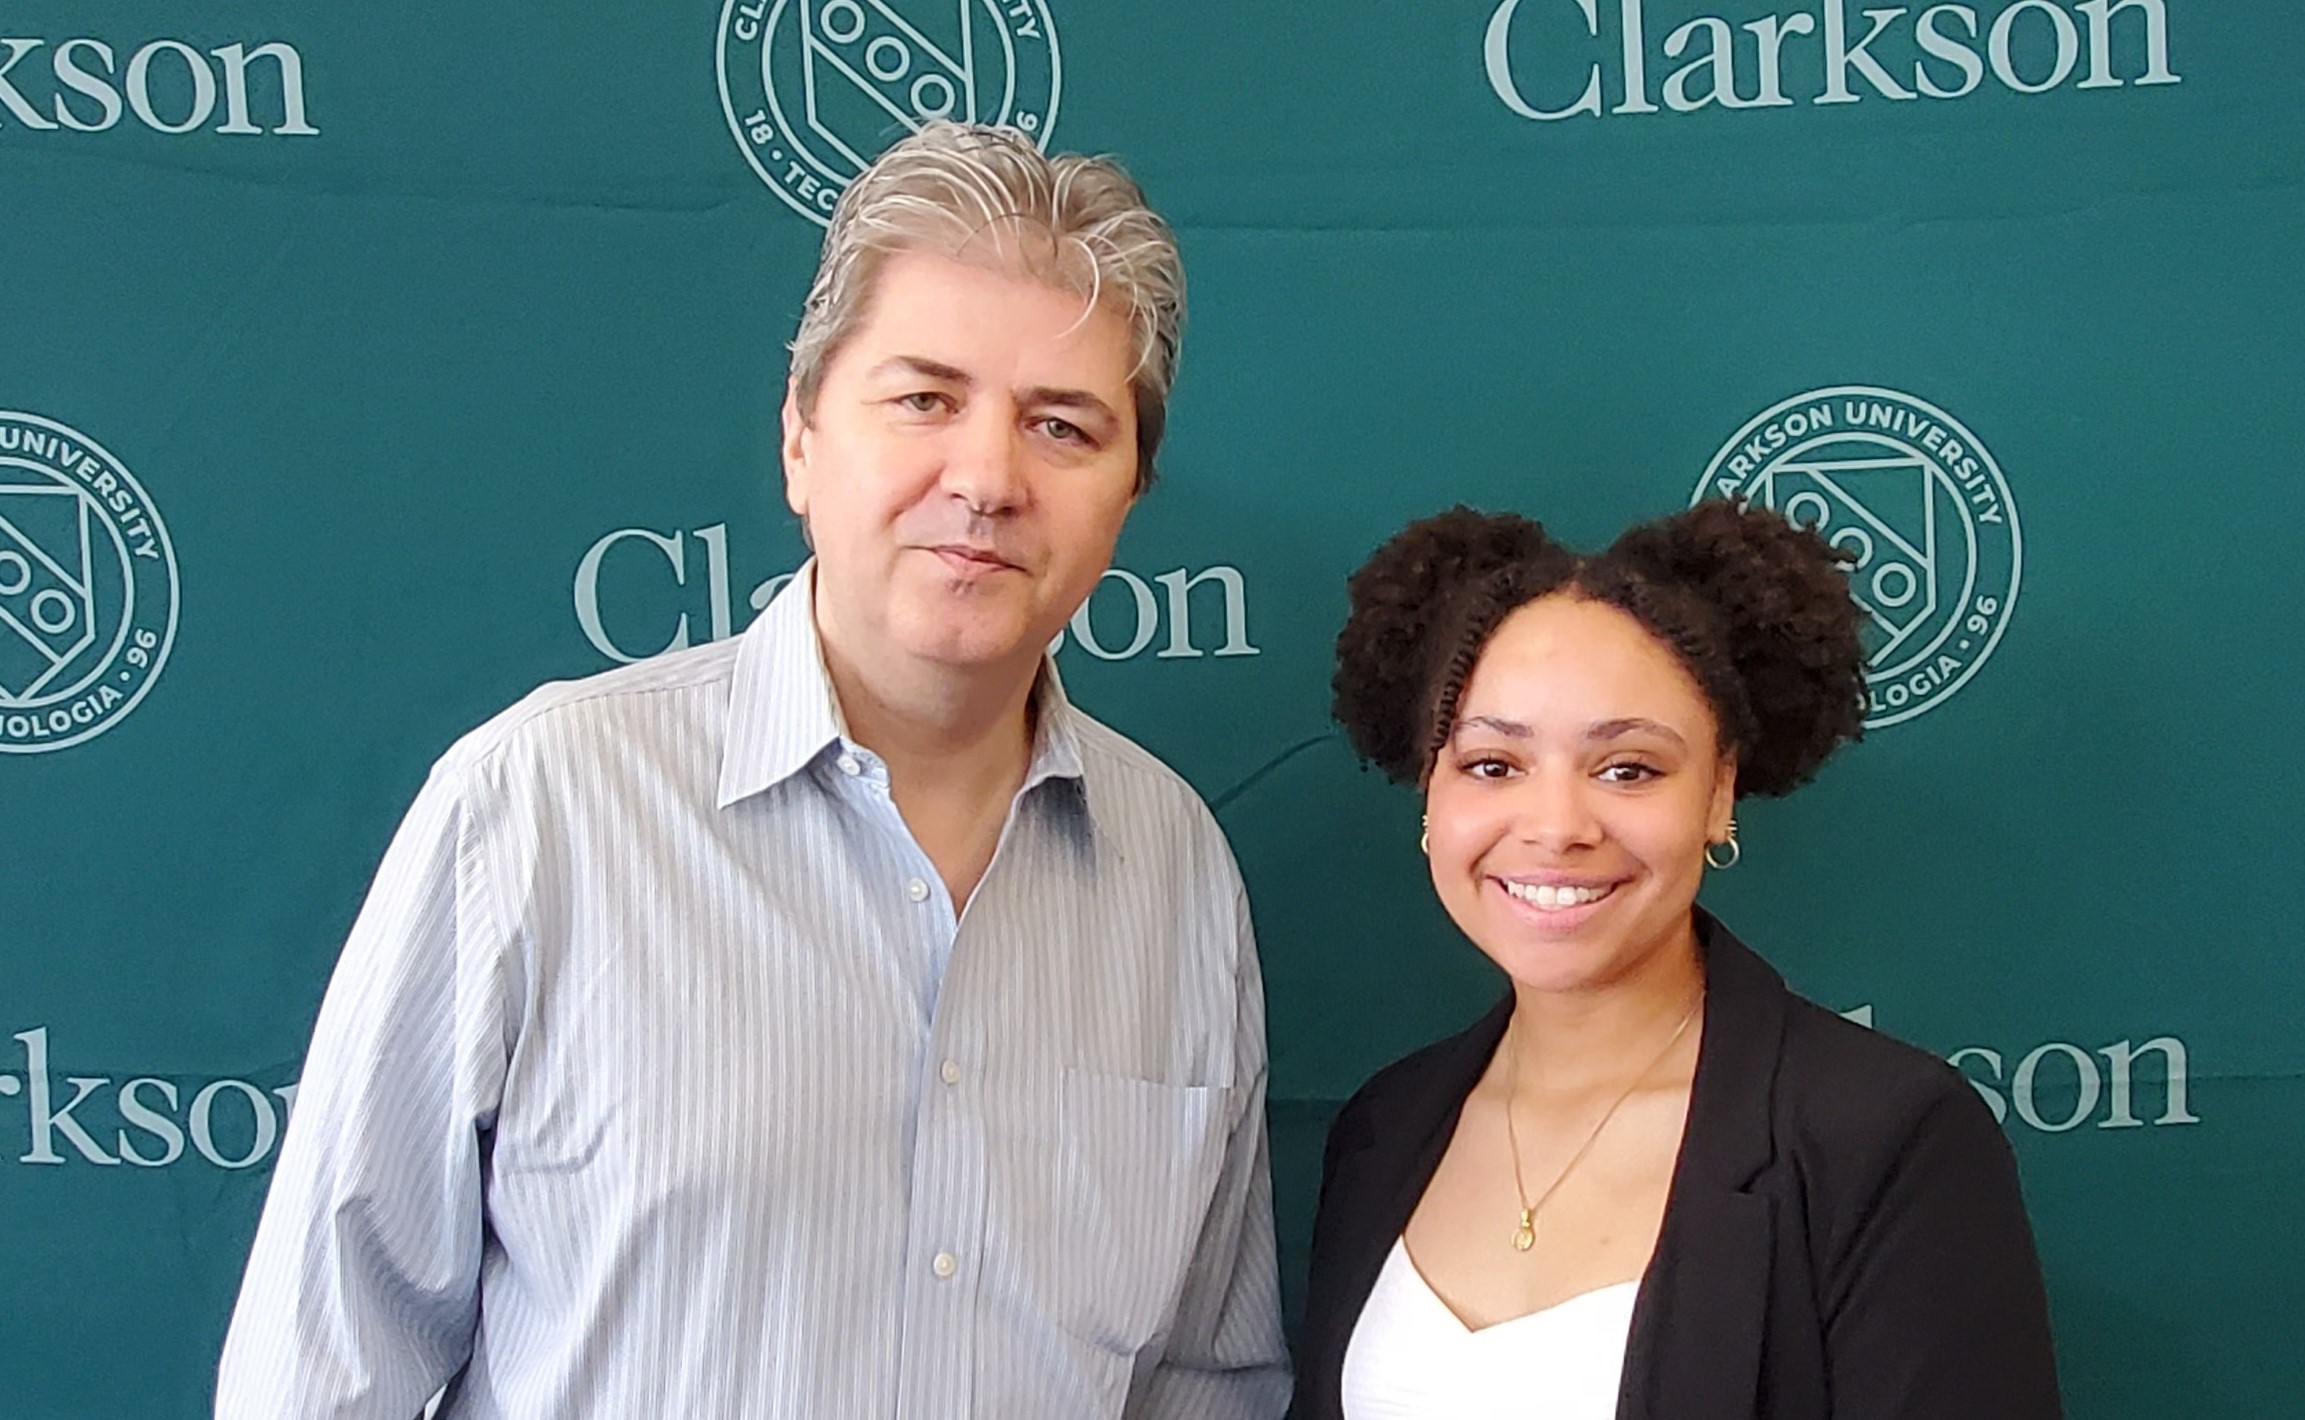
x=782, y=713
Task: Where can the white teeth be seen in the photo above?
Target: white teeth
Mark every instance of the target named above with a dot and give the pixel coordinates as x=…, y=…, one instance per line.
x=1546, y=895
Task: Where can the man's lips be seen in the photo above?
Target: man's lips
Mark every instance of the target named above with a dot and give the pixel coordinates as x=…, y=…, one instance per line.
x=963, y=557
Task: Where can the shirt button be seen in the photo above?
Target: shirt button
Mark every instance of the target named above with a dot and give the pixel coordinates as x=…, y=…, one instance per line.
x=916, y=890
x=950, y=1072
x=848, y=765
x=944, y=1265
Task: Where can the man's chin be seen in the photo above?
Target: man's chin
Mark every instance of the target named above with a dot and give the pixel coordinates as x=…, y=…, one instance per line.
x=973, y=642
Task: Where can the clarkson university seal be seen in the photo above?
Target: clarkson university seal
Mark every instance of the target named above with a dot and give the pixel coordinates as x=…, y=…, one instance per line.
x=1921, y=507
x=87, y=587
x=815, y=89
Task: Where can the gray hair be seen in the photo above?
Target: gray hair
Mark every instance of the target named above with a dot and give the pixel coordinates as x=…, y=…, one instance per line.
x=987, y=194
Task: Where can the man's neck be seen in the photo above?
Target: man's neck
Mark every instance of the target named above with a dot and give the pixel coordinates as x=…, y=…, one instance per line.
x=938, y=729
x=957, y=746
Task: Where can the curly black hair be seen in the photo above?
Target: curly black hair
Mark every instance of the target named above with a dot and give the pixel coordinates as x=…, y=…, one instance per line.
x=1757, y=609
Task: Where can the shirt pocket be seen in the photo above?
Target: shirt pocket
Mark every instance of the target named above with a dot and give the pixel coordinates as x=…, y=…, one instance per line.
x=1137, y=1164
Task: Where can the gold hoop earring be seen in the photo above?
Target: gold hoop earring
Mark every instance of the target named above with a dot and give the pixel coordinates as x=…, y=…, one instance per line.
x=1425, y=835
x=1735, y=852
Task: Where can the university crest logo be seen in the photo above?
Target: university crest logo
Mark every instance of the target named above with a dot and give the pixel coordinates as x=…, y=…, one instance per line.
x=87, y=587
x=815, y=89
x=1918, y=503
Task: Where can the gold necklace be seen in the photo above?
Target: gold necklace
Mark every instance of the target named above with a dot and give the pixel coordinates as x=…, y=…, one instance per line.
x=1525, y=1236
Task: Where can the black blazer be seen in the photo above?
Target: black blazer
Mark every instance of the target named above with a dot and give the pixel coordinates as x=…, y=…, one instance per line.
x=1843, y=1238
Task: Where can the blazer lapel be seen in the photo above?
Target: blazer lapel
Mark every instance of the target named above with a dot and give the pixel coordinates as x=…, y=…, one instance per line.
x=1694, y=1352
x=1399, y=1153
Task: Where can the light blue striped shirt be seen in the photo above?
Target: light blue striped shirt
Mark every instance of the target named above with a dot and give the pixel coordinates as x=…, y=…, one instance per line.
x=658, y=1078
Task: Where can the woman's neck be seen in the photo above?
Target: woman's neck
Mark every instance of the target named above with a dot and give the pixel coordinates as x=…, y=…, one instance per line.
x=1569, y=1041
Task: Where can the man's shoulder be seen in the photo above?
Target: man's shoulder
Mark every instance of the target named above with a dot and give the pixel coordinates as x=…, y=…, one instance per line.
x=660, y=698
x=1111, y=760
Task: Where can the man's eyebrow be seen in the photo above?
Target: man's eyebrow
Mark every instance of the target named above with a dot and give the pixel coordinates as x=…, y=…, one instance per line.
x=1053, y=397
x=925, y=367
x=1039, y=396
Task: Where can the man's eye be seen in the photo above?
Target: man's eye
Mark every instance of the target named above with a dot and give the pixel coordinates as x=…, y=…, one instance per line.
x=922, y=401
x=1065, y=431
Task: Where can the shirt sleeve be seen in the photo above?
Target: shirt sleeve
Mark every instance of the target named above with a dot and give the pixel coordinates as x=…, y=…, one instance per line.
x=361, y=1292
x=1936, y=1309
x=1225, y=1359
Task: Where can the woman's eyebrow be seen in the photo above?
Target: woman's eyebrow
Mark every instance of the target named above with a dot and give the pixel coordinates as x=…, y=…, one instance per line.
x=1510, y=729
x=1633, y=725
x=1598, y=731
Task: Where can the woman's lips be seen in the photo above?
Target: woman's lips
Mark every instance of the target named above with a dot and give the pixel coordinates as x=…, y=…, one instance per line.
x=1555, y=908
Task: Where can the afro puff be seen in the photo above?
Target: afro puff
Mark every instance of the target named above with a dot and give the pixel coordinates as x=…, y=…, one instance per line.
x=1756, y=609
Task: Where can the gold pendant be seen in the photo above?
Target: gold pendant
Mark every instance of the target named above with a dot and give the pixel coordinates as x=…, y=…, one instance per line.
x=1525, y=1236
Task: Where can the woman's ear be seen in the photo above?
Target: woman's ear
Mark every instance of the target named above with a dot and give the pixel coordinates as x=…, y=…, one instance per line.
x=1723, y=808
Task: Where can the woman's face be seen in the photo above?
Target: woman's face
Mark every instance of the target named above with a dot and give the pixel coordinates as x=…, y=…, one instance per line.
x=1568, y=812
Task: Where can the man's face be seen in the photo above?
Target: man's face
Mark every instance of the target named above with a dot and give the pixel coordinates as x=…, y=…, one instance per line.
x=967, y=467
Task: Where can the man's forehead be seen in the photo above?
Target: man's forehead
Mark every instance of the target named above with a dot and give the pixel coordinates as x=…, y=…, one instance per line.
x=926, y=310
x=1071, y=284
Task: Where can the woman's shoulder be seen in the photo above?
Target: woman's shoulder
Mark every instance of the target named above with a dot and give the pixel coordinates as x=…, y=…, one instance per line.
x=1825, y=1044
x=1840, y=1085
x=1861, y=1099
x=1429, y=1078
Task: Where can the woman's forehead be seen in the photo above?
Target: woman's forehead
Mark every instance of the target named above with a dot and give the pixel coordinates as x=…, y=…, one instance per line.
x=1571, y=662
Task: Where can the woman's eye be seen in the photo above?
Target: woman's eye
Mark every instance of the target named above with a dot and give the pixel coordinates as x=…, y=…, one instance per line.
x=1627, y=773
x=1486, y=768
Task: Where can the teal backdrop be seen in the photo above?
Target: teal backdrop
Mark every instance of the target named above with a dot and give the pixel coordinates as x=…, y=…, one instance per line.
x=363, y=366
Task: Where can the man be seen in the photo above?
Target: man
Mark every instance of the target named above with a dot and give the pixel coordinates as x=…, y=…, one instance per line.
x=833, y=1022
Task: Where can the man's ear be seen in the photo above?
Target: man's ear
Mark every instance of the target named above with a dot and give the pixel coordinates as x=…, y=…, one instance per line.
x=796, y=450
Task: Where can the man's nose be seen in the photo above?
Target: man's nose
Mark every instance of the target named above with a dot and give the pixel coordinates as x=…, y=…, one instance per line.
x=984, y=464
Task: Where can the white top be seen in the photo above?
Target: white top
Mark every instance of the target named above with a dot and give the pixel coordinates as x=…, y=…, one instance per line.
x=1412, y=1359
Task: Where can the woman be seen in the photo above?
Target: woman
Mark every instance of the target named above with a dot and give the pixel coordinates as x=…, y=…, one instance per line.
x=1651, y=1183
